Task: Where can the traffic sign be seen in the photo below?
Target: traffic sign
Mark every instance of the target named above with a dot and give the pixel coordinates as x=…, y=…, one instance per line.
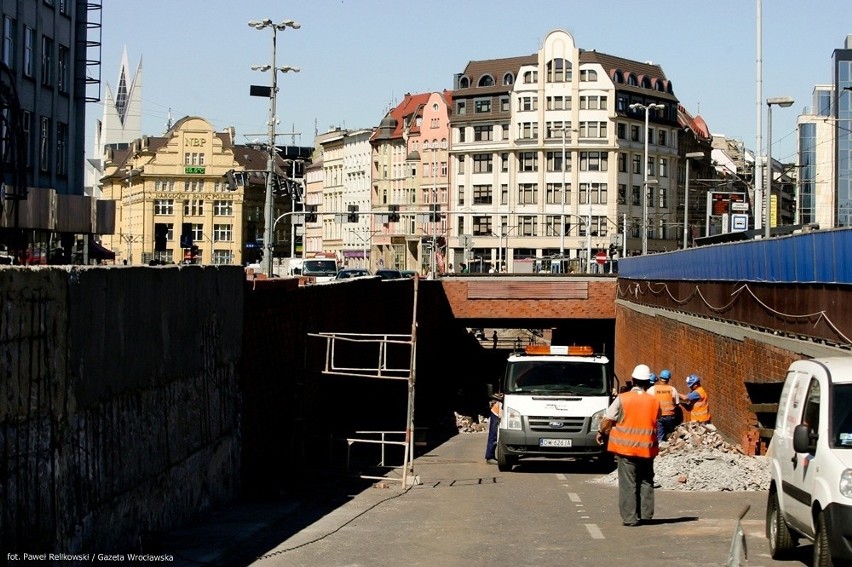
x=600, y=257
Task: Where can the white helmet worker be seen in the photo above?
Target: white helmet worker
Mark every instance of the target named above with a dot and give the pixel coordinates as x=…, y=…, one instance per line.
x=641, y=372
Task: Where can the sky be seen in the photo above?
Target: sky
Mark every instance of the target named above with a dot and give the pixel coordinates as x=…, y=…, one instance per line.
x=358, y=58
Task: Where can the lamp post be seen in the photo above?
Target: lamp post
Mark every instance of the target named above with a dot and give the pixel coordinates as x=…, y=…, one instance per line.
x=269, y=205
x=783, y=102
x=647, y=108
x=129, y=236
x=562, y=225
x=435, y=209
x=690, y=155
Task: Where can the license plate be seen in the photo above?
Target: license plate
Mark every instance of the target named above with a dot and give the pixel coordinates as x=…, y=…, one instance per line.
x=554, y=442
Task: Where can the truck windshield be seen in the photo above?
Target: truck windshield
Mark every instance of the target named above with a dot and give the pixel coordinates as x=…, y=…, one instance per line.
x=319, y=268
x=841, y=416
x=556, y=377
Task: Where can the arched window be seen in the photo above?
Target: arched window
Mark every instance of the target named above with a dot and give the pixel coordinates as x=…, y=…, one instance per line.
x=508, y=79
x=588, y=75
x=660, y=85
x=617, y=76
x=530, y=77
x=646, y=82
x=669, y=87
x=486, y=81
x=631, y=80
x=464, y=83
x=558, y=71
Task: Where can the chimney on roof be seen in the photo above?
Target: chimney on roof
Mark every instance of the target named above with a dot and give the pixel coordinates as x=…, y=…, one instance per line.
x=849, y=41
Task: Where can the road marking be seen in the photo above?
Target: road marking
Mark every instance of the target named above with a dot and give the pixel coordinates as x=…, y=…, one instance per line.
x=595, y=531
x=561, y=476
x=573, y=497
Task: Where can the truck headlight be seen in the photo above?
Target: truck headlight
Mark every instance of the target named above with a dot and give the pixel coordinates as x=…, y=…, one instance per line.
x=595, y=425
x=846, y=483
x=513, y=419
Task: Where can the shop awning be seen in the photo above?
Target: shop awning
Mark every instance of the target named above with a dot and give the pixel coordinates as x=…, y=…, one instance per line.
x=98, y=252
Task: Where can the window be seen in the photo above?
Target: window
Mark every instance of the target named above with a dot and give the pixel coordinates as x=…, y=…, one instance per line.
x=664, y=198
x=528, y=161
x=527, y=193
x=588, y=75
x=527, y=103
x=661, y=137
x=223, y=257
x=637, y=164
x=556, y=128
x=504, y=193
x=9, y=42
x=593, y=129
x=528, y=130
x=29, y=48
x=482, y=105
x=165, y=207
x=634, y=133
x=46, y=61
x=44, y=144
x=622, y=194
x=482, y=163
x=482, y=133
x=504, y=104
x=193, y=207
x=622, y=162
x=551, y=225
x=594, y=161
x=621, y=131
x=664, y=167
x=482, y=226
x=526, y=226
x=486, y=81
x=504, y=131
x=222, y=233
x=461, y=107
x=530, y=77
x=223, y=208
x=461, y=134
x=554, y=161
x=27, y=127
x=558, y=103
x=636, y=196
x=558, y=71
x=504, y=162
x=464, y=83
x=62, y=70
x=508, y=79
x=61, y=148
x=597, y=192
x=482, y=194
x=461, y=165
x=593, y=102
x=554, y=193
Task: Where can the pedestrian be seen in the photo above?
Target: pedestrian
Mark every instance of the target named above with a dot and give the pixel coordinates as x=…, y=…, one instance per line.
x=668, y=398
x=493, y=426
x=464, y=269
x=630, y=423
x=696, y=400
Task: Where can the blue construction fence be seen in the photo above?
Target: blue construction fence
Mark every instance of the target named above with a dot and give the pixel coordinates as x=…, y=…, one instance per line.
x=821, y=256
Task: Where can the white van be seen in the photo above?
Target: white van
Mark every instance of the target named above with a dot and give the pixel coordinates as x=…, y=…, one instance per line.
x=810, y=493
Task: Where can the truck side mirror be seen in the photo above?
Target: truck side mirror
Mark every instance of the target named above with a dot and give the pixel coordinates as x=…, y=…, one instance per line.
x=803, y=440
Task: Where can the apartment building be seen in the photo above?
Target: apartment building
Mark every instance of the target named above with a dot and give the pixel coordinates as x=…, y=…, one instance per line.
x=549, y=158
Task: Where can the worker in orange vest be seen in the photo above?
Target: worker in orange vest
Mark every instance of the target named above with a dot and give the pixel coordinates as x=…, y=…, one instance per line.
x=696, y=400
x=668, y=398
x=630, y=423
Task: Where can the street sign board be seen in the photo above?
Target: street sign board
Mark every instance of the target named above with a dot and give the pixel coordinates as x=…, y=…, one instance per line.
x=600, y=257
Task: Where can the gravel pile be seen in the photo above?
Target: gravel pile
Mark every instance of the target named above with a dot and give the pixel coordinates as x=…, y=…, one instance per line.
x=467, y=424
x=695, y=457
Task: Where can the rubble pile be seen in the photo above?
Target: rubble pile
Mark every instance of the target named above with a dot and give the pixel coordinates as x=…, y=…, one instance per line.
x=695, y=457
x=466, y=424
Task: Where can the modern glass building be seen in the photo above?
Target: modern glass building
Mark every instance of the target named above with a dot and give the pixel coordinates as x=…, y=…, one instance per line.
x=843, y=131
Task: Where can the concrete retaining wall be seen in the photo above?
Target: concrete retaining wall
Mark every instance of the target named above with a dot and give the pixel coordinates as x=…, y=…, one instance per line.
x=120, y=407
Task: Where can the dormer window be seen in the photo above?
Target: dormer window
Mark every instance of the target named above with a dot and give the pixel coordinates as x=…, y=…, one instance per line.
x=508, y=79
x=464, y=83
x=486, y=81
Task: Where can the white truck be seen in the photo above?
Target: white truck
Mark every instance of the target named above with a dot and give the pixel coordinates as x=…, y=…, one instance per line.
x=554, y=398
x=810, y=490
x=317, y=270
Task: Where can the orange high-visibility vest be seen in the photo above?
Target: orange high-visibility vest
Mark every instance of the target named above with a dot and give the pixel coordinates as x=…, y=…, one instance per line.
x=635, y=434
x=664, y=396
x=701, y=407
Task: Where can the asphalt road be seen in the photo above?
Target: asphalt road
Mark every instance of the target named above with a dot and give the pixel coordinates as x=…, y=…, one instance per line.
x=466, y=513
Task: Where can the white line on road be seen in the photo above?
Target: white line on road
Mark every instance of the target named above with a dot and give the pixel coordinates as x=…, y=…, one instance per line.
x=573, y=497
x=560, y=476
x=594, y=531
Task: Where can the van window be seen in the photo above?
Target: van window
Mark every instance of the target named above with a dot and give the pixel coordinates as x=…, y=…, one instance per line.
x=810, y=417
x=841, y=405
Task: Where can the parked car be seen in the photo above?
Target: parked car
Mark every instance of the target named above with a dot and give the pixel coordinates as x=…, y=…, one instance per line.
x=810, y=490
x=349, y=273
x=408, y=273
x=388, y=274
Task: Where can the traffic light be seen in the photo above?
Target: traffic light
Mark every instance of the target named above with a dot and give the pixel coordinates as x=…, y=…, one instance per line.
x=310, y=213
x=353, y=213
x=435, y=213
x=393, y=213
x=161, y=236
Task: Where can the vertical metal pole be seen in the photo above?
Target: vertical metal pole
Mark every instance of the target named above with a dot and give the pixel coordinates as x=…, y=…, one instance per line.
x=129, y=218
x=589, y=229
x=624, y=241
x=412, y=380
x=686, y=206
x=645, y=188
x=434, y=208
x=269, y=207
x=758, y=146
x=562, y=224
x=767, y=207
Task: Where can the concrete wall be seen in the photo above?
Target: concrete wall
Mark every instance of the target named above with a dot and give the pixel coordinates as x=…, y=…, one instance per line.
x=120, y=407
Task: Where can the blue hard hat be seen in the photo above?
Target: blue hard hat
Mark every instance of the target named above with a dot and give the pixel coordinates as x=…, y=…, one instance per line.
x=665, y=374
x=692, y=380
x=652, y=377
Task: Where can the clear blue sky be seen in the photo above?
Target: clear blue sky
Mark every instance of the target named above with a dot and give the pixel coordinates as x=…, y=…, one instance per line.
x=359, y=57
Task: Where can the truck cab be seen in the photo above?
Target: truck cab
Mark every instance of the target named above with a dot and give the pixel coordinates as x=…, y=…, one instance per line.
x=810, y=492
x=554, y=398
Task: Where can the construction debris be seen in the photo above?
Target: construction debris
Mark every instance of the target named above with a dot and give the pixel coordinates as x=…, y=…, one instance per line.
x=467, y=424
x=695, y=457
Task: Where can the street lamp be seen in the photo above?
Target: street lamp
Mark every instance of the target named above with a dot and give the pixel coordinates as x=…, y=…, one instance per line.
x=564, y=132
x=690, y=155
x=129, y=236
x=269, y=206
x=647, y=108
x=784, y=102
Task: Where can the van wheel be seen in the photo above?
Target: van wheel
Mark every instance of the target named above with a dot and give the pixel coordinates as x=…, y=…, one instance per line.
x=504, y=461
x=822, y=552
x=781, y=541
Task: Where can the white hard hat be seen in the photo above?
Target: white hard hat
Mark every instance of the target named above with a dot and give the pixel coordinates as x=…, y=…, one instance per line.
x=641, y=372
